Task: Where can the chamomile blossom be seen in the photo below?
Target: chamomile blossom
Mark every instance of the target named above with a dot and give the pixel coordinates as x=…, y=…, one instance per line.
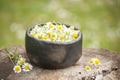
x=75, y=35
x=62, y=37
x=49, y=25
x=87, y=68
x=21, y=61
x=59, y=27
x=39, y=36
x=91, y=61
x=45, y=37
x=53, y=36
x=97, y=62
x=48, y=33
x=94, y=61
x=17, y=69
x=27, y=67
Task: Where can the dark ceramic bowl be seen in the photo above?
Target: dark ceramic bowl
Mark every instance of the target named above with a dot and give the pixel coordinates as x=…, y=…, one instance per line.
x=53, y=55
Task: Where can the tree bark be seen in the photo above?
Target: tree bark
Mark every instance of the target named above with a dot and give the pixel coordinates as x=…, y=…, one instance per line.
x=109, y=69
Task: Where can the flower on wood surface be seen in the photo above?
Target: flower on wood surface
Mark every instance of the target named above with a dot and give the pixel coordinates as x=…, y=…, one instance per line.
x=94, y=61
x=27, y=67
x=21, y=61
x=17, y=69
x=87, y=68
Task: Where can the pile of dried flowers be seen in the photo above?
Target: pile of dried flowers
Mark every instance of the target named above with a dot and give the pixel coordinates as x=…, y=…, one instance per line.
x=54, y=32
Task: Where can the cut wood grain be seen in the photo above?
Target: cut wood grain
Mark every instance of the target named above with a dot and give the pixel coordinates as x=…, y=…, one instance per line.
x=108, y=70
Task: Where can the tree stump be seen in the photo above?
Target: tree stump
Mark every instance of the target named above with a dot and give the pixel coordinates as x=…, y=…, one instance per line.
x=109, y=69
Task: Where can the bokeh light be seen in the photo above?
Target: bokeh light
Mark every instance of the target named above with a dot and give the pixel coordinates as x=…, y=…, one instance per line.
x=98, y=20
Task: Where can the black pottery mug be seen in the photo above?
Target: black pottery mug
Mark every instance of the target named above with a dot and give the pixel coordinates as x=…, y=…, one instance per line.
x=53, y=55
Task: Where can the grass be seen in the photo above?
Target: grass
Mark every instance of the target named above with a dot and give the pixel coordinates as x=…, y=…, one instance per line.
x=98, y=20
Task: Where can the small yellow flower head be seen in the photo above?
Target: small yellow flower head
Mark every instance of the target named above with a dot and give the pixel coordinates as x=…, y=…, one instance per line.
x=46, y=37
x=17, y=69
x=87, y=68
x=97, y=62
x=62, y=37
x=21, y=61
x=54, y=35
x=60, y=27
x=94, y=61
x=91, y=61
x=27, y=67
x=48, y=33
x=39, y=36
x=50, y=26
x=75, y=35
x=33, y=34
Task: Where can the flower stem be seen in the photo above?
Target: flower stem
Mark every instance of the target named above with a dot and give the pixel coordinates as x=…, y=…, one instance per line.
x=11, y=60
x=10, y=57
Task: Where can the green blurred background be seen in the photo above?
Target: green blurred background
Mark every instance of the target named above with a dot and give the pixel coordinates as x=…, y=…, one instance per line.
x=99, y=20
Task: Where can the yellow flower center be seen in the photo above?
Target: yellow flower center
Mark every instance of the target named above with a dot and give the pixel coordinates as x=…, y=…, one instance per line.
x=62, y=37
x=91, y=61
x=27, y=67
x=22, y=62
x=53, y=35
x=60, y=27
x=50, y=26
x=97, y=62
x=88, y=68
x=46, y=37
x=17, y=68
x=39, y=36
x=48, y=33
x=75, y=35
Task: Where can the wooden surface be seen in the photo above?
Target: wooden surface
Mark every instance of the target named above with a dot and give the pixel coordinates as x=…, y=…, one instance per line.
x=108, y=70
